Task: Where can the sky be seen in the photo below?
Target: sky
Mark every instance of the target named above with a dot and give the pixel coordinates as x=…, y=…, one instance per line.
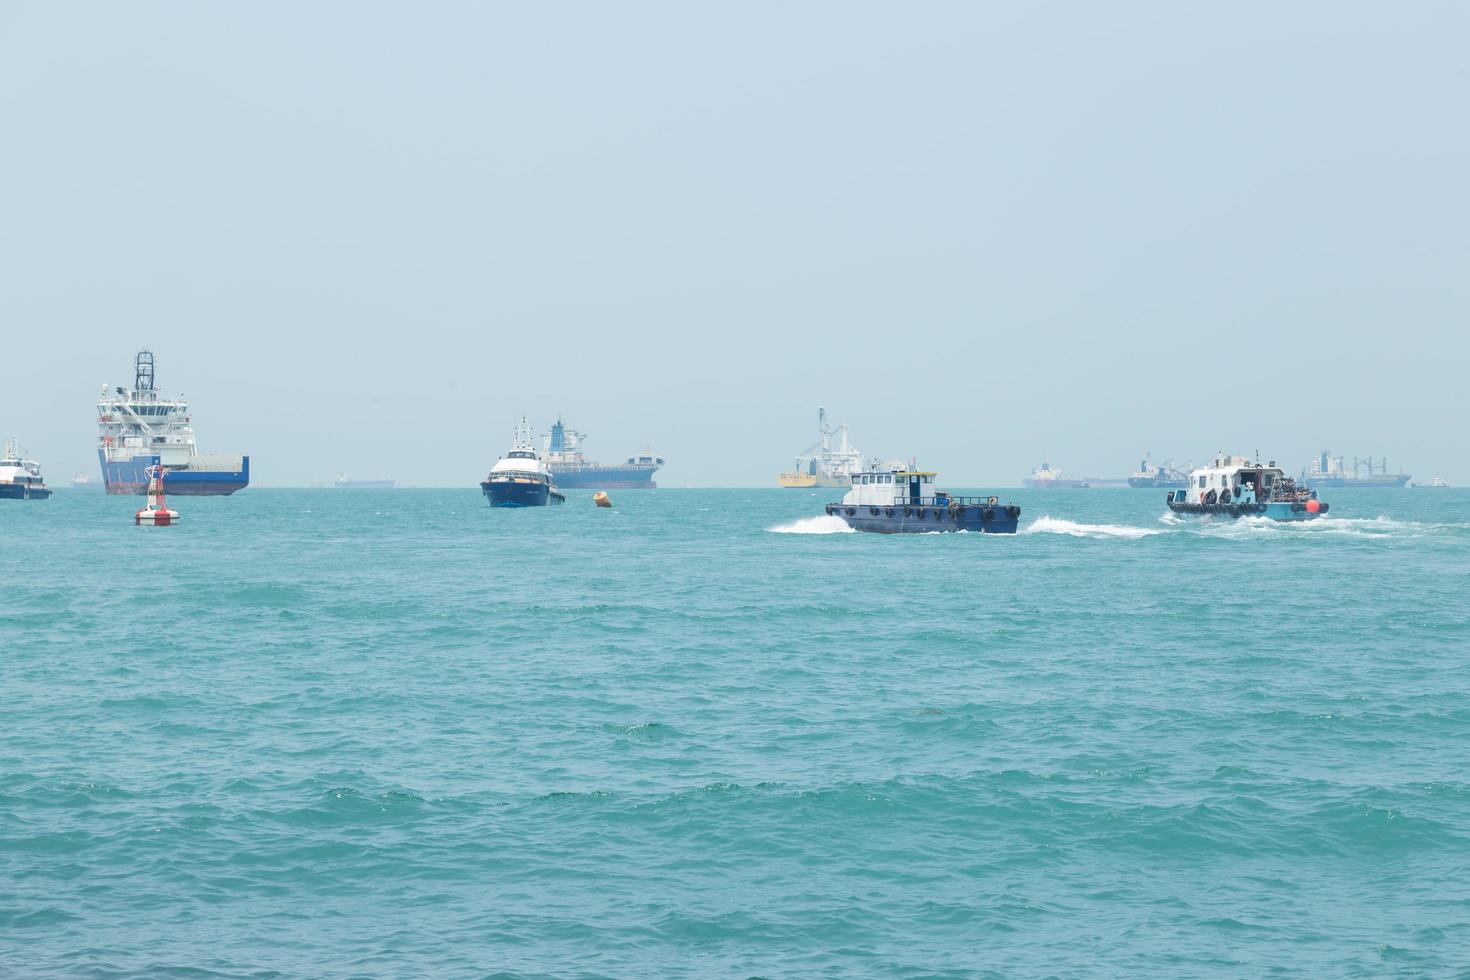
x=366, y=236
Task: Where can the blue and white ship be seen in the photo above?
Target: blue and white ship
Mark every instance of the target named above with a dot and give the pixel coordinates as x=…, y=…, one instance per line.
x=521, y=478
x=902, y=500
x=138, y=429
x=1233, y=486
x=20, y=478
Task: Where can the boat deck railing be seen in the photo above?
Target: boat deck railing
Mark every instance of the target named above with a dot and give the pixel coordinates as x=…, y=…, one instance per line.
x=943, y=501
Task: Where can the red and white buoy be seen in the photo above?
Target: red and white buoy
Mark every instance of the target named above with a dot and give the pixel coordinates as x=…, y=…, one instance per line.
x=156, y=514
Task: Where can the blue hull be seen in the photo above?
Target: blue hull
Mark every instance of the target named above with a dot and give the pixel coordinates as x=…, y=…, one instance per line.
x=130, y=476
x=594, y=477
x=979, y=519
x=1274, y=511
x=509, y=494
x=22, y=491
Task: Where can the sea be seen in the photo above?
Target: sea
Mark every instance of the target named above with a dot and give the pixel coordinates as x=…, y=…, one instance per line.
x=708, y=733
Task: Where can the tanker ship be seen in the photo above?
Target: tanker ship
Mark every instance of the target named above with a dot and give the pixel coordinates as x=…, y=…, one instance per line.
x=1329, y=471
x=138, y=429
x=562, y=453
x=821, y=465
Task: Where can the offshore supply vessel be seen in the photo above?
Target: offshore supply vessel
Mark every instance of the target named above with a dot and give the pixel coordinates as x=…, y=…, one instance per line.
x=822, y=464
x=138, y=429
x=1329, y=471
x=902, y=500
x=562, y=451
x=1233, y=486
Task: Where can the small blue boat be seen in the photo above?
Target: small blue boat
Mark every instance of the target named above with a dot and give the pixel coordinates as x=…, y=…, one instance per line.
x=904, y=501
x=520, y=477
x=1233, y=486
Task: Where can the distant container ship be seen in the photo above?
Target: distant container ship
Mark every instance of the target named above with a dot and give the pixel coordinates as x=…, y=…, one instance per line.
x=138, y=429
x=1329, y=471
x=822, y=465
x=562, y=452
x=346, y=481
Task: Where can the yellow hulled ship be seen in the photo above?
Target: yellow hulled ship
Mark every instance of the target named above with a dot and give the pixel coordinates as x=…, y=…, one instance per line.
x=829, y=463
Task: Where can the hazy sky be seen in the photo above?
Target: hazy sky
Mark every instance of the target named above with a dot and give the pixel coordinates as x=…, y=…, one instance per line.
x=367, y=236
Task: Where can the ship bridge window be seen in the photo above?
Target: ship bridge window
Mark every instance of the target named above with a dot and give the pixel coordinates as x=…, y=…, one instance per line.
x=1202, y=482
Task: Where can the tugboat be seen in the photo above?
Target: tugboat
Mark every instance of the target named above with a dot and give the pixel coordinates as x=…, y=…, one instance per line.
x=1233, y=486
x=20, y=478
x=902, y=500
x=520, y=477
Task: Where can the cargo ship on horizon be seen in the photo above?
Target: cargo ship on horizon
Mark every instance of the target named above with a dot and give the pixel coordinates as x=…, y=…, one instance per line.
x=821, y=465
x=138, y=429
x=1163, y=477
x=1330, y=471
x=1046, y=478
x=561, y=450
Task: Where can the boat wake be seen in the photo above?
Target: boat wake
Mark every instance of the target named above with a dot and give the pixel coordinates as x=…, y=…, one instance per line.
x=1379, y=528
x=1055, y=525
x=823, y=524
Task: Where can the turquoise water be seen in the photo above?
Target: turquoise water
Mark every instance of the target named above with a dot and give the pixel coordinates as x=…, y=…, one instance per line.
x=330, y=733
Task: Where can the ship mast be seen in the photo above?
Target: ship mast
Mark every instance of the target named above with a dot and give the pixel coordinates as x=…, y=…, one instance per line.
x=143, y=371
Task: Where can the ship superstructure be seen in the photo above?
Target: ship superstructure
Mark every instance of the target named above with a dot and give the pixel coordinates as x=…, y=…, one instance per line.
x=561, y=449
x=138, y=428
x=1330, y=471
x=827, y=463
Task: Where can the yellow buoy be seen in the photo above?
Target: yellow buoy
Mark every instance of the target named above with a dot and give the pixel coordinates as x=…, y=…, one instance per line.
x=600, y=498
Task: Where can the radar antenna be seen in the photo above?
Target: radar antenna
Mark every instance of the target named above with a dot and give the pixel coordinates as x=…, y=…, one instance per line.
x=143, y=371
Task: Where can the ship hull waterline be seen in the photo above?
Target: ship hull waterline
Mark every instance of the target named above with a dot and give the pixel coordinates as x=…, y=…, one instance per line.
x=129, y=477
x=604, y=477
x=926, y=520
x=23, y=491
x=1276, y=511
x=514, y=493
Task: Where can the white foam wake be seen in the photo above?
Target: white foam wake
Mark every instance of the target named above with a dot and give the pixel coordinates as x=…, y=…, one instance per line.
x=1055, y=525
x=824, y=524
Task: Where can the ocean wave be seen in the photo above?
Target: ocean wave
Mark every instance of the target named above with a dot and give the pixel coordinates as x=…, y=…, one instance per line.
x=1055, y=525
x=823, y=524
